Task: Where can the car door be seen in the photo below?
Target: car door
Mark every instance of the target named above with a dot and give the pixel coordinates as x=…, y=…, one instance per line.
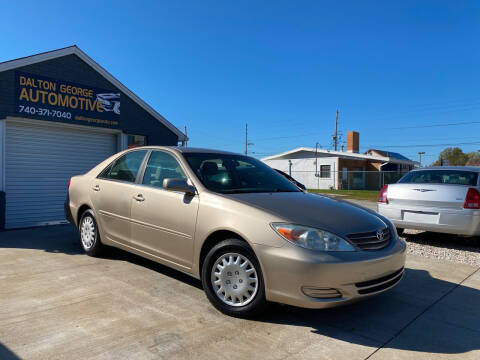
x=112, y=192
x=163, y=221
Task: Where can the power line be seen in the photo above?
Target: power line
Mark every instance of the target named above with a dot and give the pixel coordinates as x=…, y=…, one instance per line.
x=419, y=110
x=422, y=145
x=463, y=123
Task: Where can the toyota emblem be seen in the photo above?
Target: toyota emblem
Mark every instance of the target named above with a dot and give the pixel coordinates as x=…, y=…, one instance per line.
x=380, y=235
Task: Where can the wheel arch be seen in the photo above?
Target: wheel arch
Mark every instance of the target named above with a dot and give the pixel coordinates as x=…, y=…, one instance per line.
x=80, y=212
x=213, y=239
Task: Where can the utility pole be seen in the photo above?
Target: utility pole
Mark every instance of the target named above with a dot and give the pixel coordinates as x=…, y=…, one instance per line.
x=335, y=136
x=186, y=137
x=420, y=153
x=247, y=144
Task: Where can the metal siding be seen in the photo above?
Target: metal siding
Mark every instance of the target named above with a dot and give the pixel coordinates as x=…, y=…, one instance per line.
x=39, y=162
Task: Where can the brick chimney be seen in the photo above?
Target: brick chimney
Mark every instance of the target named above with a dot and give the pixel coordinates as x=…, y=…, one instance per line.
x=353, y=141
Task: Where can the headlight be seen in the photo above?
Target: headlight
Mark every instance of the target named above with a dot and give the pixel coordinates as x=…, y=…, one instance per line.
x=311, y=238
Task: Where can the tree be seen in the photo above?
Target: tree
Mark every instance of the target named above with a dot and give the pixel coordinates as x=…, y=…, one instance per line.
x=473, y=158
x=454, y=156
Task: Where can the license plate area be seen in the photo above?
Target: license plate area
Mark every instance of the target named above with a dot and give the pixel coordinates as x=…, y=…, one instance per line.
x=420, y=217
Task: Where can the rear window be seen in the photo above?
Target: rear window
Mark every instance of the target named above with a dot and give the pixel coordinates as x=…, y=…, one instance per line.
x=456, y=177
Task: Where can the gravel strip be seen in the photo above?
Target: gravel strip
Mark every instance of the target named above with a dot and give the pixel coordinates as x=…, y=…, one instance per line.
x=443, y=246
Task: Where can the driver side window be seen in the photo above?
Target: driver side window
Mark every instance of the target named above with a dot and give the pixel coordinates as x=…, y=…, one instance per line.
x=161, y=166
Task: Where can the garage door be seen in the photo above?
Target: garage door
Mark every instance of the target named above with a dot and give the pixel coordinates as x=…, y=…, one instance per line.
x=39, y=161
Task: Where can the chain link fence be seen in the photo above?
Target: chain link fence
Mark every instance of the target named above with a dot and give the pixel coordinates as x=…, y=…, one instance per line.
x=347, y=179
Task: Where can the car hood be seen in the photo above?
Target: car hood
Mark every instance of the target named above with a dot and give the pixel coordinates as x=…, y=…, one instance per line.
x=336, y=216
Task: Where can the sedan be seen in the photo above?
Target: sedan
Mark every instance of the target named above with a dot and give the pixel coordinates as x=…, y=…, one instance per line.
x=248, y=233
x=439, y=199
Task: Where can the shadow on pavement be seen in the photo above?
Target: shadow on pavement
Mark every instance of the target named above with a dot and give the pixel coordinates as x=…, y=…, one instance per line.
x=121, y=255
x=54, y=239
x=451, y=327
x=6, y=353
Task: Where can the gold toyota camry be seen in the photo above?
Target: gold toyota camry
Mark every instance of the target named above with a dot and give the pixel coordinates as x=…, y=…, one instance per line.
x=247, y=232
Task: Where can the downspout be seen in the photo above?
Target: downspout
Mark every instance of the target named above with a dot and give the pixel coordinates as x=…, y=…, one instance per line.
x=381, y=179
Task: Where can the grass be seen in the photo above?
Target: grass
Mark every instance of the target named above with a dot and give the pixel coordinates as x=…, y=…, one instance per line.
x=370, y=195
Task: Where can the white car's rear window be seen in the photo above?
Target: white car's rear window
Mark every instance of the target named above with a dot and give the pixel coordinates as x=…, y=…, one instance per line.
x=456, y=177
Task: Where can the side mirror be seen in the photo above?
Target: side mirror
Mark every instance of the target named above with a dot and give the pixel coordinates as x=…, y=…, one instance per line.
x=180, y=185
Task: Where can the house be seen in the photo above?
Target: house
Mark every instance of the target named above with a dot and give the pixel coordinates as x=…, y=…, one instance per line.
x=327, y=169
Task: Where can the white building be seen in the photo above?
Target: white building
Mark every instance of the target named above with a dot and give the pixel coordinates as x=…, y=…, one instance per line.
x=325, y=169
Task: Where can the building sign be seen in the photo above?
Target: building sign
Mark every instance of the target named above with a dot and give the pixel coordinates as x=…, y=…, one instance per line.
x=59, y=100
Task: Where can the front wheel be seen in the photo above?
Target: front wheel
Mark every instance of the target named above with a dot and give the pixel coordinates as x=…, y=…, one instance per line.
x=89, y=235
x=232, y=279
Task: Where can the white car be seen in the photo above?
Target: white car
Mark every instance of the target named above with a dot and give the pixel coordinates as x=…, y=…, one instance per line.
x=440, y=199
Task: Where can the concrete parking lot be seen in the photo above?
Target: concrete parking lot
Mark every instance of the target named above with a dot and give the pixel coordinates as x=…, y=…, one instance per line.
x=59, y=304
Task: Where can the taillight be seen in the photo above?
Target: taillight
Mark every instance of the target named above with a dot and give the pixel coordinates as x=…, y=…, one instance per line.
x=472, y=200
x=69, y=182
x=382, y=195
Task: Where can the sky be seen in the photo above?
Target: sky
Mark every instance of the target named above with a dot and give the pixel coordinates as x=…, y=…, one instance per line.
x=405, y=74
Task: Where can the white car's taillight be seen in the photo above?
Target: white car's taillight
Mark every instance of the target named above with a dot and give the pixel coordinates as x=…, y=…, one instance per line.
x=382, y=195
x=472, y=200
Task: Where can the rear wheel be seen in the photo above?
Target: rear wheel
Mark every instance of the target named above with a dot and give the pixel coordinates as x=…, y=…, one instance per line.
x=89, y=235
x=232, y=279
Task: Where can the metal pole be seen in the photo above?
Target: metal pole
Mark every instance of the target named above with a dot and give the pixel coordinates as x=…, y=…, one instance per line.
x=186, y=137
x=420, y=153
x=335, y=140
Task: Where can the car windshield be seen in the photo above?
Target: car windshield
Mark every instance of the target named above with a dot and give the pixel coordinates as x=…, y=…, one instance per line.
x=233, y=174
x=456, y=177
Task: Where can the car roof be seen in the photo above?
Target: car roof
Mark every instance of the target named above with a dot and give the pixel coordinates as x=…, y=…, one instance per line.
x=183, y=149
x=461, y=168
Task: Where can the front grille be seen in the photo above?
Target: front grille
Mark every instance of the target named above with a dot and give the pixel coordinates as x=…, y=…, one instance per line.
x=371, y=240
x=375, y=285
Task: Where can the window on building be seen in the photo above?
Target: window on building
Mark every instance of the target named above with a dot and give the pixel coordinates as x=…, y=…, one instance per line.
x=325, y=171
x=136, y=140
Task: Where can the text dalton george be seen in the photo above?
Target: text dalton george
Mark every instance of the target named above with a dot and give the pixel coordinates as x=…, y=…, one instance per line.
x=44, y=91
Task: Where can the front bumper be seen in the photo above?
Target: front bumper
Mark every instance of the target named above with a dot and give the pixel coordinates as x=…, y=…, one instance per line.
x=449, y=221
x=334, y=278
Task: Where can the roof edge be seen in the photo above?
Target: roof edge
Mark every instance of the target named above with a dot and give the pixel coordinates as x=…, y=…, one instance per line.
x=340, y=153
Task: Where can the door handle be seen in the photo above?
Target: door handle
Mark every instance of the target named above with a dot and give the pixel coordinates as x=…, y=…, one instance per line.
x=96, y=187
x=139, y=197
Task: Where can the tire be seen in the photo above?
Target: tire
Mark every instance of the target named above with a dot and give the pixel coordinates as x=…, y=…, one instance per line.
x=400, y=231
x=241, y=279
x=89, y=235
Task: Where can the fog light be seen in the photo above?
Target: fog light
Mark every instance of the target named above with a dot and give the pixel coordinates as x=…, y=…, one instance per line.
x=321, y=293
